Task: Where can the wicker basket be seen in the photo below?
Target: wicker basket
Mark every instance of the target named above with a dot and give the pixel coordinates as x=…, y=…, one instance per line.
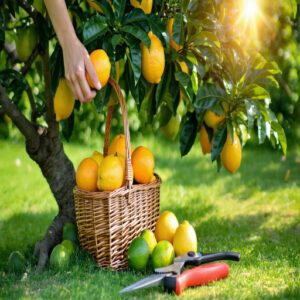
x=108, y=221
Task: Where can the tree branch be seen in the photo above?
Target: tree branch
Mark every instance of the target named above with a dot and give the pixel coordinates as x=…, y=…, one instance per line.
x=24, y=125
x=50, y=116
x=10, y=49
x=34, y=112
x=32, y=12
x=36, y=51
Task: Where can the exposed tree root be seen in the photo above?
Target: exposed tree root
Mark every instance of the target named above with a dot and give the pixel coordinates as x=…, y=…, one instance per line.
x=52, y=237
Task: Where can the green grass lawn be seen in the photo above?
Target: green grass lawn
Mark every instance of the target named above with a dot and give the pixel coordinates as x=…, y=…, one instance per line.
x=255, y=212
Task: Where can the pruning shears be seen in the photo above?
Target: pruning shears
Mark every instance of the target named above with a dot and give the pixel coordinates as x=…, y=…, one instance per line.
x=174, y=279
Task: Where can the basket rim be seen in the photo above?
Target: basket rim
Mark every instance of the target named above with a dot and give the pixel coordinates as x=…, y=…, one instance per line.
x=124, y=189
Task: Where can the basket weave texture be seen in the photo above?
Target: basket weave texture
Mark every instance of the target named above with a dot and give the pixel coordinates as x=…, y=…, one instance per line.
x=108, y=221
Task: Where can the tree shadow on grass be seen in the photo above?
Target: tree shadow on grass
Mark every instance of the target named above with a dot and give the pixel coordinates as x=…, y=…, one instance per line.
x=286, y=294
x=193, y=210
x=21, y=232
x=261, y=170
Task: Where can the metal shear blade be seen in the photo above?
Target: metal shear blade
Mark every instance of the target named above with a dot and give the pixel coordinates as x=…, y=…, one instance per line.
x=150, y=281
x=175, y=268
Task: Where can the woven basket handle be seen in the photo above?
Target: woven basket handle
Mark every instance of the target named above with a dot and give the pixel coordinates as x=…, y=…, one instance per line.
x=128, y=168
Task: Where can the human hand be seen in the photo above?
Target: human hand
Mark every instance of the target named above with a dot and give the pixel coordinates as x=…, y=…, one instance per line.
x=77, y=63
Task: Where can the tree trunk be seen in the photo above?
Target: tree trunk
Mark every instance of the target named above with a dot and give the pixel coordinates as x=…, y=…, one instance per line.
x=60, y=175
x=44, y=146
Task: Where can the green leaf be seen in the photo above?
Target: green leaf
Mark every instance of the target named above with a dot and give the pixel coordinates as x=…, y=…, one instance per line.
x=102, y=97
x=147, y=109
x=188, y=133
x=218, y=142
x=255, y=92
x=271, y=115
x=272, y=68
x=252, y=112
x=205, y=38
x=210, y=131
x=174, y=90
x=142, y=88
x=210, y=22
x=12, y=7
x=135, y=61
x=77, y=105
x=8, y=75
x=94, y=28
x=162, y=87
x=263, y=129
x=230, y=129
x=107, y=10
x=169, y=101
x=183, y=78
x=157, y=27
x=201, y=70
x=44, y=31
x=201, y=107
x=119, y=6
x=67, y=127
x=195, y=82
x=56, y=67
x=186, y=84
x=212, y=55
x=135, y=16
x=2, y=39
x=279, y=134
x=191, y=57
x=207, y=97
x=138, y=33
x=15, y=82
x=129, y=84
x=294, y=7
x=178, y=26
x=210, y=91
x=116, y=40
x=107, y=45
x=164, y=115
x=269, y=82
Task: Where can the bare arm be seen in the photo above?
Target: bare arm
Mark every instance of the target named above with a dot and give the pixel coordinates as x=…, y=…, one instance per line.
x=76, y=58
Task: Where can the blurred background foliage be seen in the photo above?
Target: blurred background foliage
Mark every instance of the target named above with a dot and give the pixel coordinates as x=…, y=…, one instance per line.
x=284, y=47
x=276, y=34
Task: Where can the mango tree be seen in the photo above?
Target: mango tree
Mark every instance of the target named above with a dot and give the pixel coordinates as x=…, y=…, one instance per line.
x=206, y=70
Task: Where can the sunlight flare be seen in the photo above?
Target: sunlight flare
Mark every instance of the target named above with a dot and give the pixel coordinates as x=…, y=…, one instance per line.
x=250, y=19
x=251, y=9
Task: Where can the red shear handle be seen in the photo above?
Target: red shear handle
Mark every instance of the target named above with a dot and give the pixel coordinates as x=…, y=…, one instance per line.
x=196, y=276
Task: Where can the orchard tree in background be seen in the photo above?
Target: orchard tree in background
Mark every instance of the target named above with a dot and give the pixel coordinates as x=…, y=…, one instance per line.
x=208, y=74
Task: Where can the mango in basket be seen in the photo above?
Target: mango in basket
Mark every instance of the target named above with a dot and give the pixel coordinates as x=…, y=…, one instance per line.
x=110, y=173
x=123, y=162
x=97, y=156
x=87, y=175
x=118, y=145
x=142, y=164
